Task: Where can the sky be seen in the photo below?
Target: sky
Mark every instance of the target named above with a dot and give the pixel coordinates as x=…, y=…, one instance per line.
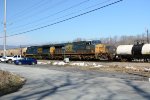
x=128, y=17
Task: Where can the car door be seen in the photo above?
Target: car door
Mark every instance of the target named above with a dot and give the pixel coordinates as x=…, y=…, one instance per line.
x=26, y=61
x=23, y=61
x=29, y=61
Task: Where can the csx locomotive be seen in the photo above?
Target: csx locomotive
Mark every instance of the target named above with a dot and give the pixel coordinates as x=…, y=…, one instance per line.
x=82, y=50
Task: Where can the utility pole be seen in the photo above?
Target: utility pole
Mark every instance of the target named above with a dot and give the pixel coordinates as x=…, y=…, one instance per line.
x=147, y=36
x=4, y=28
x=20, y=50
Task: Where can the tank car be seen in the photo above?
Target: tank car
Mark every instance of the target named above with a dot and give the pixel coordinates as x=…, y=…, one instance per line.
x=124, y=52
x=146, y=52
x=138, y=51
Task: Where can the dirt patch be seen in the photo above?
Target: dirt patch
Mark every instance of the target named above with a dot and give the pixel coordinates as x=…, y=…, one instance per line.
x=135, y=68
x=124, y=69
x=10, y=82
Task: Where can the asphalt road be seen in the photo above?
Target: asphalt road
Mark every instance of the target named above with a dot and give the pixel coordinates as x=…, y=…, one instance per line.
x=51, y=84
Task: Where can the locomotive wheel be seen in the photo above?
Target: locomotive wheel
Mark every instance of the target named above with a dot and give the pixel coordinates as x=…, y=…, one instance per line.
x=80, y=58
x=123, y=60
x=129, y=60
x=103, y=57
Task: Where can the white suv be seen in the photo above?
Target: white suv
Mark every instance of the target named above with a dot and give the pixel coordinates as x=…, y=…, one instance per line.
x=13, y=58
x=3, y=59
x=10, y=59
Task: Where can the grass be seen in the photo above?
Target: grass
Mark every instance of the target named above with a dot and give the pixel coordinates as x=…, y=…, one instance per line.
x=10, y=82
x=137, y=71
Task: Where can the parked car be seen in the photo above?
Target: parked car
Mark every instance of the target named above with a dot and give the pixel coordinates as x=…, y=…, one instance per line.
x=11, y=59
x=26, y=61
x=3, y=59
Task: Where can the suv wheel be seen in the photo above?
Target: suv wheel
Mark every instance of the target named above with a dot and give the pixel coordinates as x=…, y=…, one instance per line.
x=19, y=63
x=9, y=61
x=33, y=63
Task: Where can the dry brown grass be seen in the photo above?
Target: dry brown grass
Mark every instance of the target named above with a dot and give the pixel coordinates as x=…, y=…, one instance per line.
x=133, y=70
x=10, y=82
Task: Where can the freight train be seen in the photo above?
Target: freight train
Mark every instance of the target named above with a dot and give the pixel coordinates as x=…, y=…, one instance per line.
x=82, y=50
x=85, y=50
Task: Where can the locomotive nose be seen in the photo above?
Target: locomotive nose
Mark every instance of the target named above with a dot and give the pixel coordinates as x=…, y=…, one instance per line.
x=100, y=48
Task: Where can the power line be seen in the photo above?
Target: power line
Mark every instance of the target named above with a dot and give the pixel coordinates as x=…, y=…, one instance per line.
x=64, y=15
x=76, y=5
x=35, y=5
x=39, y=12
x=66, y=19
x=41, y=19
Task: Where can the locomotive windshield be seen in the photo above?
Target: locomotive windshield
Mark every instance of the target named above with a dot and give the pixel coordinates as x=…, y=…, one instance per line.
x=96, y=42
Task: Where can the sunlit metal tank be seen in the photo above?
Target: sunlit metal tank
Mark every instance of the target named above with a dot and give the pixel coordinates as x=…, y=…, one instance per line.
x=124, y=50
x=146, y=49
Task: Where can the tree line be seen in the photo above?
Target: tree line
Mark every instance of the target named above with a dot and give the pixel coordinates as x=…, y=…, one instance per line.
x=122, y=40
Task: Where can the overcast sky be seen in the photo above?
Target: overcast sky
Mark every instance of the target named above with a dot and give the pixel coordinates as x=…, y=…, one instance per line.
x=129, y=17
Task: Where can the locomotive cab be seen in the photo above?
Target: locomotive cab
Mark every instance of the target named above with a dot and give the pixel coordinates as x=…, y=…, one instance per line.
x=100, y=48
x=105, y=52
